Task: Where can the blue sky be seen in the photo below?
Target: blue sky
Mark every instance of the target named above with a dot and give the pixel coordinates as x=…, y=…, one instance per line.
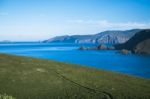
x=31, y=20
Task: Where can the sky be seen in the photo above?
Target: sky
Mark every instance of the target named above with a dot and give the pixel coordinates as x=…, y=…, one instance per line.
x=34, y=20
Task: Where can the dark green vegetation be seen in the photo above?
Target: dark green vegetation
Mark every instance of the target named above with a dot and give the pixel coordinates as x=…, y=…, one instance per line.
x=4, y=96
x=139, y=43
x=30, y=78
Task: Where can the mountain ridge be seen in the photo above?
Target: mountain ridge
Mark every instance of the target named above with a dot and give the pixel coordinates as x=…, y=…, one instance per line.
x=105, y=37
x=139, y=43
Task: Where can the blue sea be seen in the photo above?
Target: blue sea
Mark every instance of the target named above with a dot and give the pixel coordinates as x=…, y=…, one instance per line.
x=137, y=65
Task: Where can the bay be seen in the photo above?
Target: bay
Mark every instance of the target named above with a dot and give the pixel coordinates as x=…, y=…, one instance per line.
x=137, y=65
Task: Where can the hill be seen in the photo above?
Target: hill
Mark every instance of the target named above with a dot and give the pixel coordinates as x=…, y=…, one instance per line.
x=139, y=43
x=106, y=37
x=30, y=78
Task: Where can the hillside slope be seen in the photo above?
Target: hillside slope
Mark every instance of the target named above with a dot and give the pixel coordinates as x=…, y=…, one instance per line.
x=139, y=43
x=29, y=78
x=106, y=37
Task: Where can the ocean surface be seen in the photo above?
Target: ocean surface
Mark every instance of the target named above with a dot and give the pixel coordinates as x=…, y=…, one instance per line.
x=137, y=65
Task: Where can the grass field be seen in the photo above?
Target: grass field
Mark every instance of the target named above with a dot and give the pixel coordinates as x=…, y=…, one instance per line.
x=30, y=78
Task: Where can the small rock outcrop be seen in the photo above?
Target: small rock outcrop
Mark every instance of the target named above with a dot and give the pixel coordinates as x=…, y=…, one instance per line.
x=102, y=47
x=125, y=51
x=82, y=48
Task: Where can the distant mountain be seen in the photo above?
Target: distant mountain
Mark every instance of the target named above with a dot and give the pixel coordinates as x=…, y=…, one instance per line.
x=139, y=43
x=106, y=37
x=5, y=41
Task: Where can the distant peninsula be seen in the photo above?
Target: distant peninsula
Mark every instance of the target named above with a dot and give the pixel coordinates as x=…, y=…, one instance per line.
x=106, y=37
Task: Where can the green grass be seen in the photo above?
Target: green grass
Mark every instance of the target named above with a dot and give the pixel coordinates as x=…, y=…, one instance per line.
x=6, y=97
x=30, y=78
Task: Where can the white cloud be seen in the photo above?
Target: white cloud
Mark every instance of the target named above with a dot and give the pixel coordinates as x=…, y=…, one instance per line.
x=104, y=24
x=40, y=31
x=126, y=25
x=75, y=21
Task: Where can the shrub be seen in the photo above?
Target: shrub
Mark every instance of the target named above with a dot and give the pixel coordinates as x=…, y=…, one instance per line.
x=4, y=96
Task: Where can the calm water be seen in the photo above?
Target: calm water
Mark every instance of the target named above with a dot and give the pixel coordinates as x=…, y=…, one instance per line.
x=138, y=65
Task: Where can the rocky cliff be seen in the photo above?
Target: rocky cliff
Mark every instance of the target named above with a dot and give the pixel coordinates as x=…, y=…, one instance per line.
x=139, y=43
x=106, y=37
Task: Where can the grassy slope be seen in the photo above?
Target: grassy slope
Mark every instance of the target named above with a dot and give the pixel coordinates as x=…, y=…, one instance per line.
x=29, y=78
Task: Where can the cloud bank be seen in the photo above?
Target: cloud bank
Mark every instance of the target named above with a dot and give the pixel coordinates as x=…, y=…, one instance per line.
x=105, y=24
